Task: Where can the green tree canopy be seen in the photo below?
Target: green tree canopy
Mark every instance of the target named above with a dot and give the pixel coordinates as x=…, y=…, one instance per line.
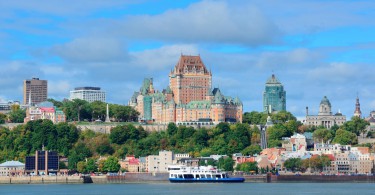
x=247, y=167
x=111, y=164
x=293, y=164
x=251, y=150
x=344, y=137
x=226, y=164
x=322, y=135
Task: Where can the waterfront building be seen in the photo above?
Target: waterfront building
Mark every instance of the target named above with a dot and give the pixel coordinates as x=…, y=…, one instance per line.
x=347, y=159
x=131, y=164
x=325, y=117
x=89, y=94
x=159, y=163
x=274, y=96
x=12, y=168
x=188, y=100
x=43, y=163
x=45, y=110
x=296, y=143
x=34, y=91
x=357, y=111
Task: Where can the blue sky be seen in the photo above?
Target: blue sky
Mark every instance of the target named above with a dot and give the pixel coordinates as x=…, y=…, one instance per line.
x=316, y=48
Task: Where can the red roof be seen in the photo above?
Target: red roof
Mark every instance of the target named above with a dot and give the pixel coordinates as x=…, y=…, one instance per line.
x=331, y=157
x=47, y=109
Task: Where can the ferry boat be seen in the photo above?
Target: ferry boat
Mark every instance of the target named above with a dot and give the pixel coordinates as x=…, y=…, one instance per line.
x=202, y=174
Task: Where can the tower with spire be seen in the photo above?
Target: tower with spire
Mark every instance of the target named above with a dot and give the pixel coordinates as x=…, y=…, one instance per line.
x=357, y=111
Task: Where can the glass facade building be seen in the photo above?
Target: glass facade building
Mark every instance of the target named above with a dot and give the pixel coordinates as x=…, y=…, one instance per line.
x=44, y=162
x=274, y=96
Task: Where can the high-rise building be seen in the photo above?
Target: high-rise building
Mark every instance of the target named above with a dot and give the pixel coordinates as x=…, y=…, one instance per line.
x=34, y=90
x=357, y=111
x=89, y=94
x=274, y=96
x=189, y=98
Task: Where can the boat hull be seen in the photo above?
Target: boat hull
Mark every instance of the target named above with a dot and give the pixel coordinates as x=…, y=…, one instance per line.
x=218, y=180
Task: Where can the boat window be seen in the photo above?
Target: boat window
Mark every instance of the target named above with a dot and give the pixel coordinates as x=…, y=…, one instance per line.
x=203, y=176
x=196, y=176
x=223, y=176
x=180, y=176
x=218, y=176
x=209, y=176
x=188, y=176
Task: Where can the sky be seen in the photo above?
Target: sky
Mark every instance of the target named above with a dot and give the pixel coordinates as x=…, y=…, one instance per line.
x=315, y=48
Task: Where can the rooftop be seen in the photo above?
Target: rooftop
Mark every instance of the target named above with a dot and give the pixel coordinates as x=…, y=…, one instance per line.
x=12, y=164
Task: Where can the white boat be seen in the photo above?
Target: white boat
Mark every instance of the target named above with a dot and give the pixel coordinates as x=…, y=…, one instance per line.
x=182, y=173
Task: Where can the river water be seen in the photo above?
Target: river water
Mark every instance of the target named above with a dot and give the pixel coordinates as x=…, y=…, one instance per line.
x=195, y=188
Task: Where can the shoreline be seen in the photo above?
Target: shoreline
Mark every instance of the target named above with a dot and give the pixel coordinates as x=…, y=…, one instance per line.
x=142, y=178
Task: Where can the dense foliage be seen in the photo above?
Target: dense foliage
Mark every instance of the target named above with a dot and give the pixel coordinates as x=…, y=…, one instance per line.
x=81, y=110
x=81, y=147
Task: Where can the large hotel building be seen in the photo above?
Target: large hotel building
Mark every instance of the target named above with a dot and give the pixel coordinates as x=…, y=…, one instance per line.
x=90, y=94
x=189, y=98
x=34, y=90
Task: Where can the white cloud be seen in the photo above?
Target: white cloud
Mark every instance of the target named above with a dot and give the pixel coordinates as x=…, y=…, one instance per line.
x=58, y=88
x=162, y=58
x=298, y=16
x=281, y=60
x=93, y=49
x=336, y=72
x=206, y=21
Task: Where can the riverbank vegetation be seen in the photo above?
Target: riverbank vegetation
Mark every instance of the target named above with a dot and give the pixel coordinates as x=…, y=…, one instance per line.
x=82, y=147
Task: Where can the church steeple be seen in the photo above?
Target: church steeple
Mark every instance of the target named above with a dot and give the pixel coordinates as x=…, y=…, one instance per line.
x=357, y=111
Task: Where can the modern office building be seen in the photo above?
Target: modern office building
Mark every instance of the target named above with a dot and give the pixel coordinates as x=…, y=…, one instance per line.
x=325, y=117
x=43, y=163
x=89, y=94
x=34, y=90
x=189, y=98
x=274, y=96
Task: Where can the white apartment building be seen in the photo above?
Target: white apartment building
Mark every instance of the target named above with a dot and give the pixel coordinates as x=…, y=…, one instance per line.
x=159, y=163
x=89, y=94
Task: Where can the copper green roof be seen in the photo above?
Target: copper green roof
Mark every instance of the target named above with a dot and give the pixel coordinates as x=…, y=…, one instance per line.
x=204, y=104
x=325, y=101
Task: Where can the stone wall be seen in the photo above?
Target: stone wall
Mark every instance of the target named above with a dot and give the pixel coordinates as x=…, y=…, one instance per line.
x=41, y=180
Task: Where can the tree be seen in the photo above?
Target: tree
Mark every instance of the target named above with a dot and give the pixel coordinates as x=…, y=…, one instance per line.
x=356, y=125
x=293, y=164
x=318, y=163
x=104, y=148
x=247, y=167
x=81, y=167
x=253, y=117
x=118, y=134
x=322, y=135
x=251, y=150
x=111, y=164
x=3, y=118
x=17, y=115
x=91, y=166
x=172, y=129
x=226, y=164
x=282, y=117
x=344, y=137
